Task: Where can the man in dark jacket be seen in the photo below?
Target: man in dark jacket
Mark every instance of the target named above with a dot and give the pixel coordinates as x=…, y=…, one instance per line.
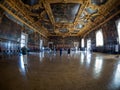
x=24, y=53
x=68, y=51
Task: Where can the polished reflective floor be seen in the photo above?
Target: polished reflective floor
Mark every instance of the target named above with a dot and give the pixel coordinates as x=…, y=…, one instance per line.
x=50, y=71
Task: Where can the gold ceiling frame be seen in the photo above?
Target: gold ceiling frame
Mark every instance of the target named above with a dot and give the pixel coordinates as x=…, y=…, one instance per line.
x=12, y=6
x=40, y=28
x=47, y=3
x=26, y=11
x=101, y=23
x=103, y=11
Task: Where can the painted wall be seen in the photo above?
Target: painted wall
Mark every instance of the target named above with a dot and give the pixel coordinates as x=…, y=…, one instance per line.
x=34, y=41
x=9, y=36
x=64, y=42
x=110, y=35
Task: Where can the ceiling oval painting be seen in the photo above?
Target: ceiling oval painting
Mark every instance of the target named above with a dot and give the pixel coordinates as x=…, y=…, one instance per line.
x=91, y=11
x=98, y=2
x=65, y=12
x=64, y=30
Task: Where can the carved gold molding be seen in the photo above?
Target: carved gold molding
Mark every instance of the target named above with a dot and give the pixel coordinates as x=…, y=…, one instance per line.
x=88, y=21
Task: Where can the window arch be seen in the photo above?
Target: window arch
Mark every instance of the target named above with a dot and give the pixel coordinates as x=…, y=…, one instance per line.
x=118, y=29
x=82, y=43
x=99, y=38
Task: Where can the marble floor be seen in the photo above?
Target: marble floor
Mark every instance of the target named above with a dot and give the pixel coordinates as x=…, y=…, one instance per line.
x=50, y=71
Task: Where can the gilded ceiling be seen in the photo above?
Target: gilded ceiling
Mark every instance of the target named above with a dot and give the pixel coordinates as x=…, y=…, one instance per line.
x=60, y=17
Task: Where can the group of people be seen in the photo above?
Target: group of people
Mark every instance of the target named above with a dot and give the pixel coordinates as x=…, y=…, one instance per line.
x=24, y=52
x=68, y=51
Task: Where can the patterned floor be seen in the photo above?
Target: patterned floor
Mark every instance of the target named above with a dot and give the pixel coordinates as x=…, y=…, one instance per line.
x=50, y=71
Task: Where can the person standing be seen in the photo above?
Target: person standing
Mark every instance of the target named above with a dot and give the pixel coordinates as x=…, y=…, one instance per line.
x=60, y=51
x=24, y=53
x=68, y=51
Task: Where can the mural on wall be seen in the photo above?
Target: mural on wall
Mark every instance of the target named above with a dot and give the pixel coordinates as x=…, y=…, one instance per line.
x=31, y=38
x=9, y=29
x=66, y=42
x=110, y=36
x=34, y=38
x=10, y=33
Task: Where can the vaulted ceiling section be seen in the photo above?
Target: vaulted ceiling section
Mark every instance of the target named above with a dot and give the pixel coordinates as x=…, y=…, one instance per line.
x=60, y=17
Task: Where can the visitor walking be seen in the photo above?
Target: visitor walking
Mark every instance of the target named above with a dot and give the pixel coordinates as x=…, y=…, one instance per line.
x=24, y=53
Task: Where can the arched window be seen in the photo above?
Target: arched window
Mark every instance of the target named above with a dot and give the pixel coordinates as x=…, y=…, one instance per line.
x=118, y=29
x=24, y=39
x=88, y=44
x=99, y=38
x=82, y=43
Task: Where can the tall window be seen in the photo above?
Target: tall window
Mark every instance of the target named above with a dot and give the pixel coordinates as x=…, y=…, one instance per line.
x=23, y=39
x=88, y=44
x=41, y=44
x=118, y=29
x=99, y=38
x=82, y=43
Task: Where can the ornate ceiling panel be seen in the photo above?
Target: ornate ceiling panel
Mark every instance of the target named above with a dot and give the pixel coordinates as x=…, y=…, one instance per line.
x=64, y=12
x=60, y=17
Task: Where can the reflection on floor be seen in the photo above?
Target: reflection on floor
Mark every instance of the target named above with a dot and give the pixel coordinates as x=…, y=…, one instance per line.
x=50, y=71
